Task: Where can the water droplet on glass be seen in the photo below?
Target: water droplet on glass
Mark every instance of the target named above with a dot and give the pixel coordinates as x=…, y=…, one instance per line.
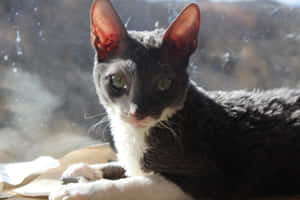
x=226, y=57
x=5, y=57
x=41, y=33
x=15, y=70
x=18, y=38
x=19, y=51
x=127, y=21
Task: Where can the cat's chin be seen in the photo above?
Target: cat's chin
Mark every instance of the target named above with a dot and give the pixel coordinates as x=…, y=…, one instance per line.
x=138, y=124
x=149, y=121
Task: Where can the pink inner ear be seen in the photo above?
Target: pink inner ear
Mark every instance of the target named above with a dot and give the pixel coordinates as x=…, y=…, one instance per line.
x=182, y=35
x=107, y=30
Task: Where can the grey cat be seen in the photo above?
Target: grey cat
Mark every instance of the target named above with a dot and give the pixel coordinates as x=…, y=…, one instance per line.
x=175, y=140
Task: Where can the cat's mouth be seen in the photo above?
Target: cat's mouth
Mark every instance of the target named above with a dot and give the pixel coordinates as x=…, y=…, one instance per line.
x=140, y=124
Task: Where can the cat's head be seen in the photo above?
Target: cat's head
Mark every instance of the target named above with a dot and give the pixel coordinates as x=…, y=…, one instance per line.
x=141, y=84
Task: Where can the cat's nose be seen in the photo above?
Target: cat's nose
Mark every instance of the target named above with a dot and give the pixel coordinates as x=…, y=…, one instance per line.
x=137, y=116
x=136, y=113
x=137, y=121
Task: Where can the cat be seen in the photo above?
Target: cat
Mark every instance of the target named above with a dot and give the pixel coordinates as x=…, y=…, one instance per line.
x=174, y=139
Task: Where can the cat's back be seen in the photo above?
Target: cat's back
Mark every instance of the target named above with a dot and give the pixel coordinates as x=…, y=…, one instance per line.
x=281, y=104
x=255, y=136
x=241, y=125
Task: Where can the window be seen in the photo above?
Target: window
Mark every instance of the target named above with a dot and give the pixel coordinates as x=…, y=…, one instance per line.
x=48, y=103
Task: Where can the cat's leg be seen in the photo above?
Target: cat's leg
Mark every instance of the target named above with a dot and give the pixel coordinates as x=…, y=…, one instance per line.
x=132, y=188
x=93, y=172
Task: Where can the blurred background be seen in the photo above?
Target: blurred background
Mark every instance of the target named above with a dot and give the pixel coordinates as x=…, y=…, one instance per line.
x=48, y=104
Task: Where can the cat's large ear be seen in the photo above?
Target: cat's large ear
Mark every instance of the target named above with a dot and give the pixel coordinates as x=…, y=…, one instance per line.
x=108, y=34
x=181, y=37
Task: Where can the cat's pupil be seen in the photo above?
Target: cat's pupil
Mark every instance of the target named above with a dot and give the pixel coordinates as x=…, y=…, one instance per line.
x=164, y=84
x=118, y=81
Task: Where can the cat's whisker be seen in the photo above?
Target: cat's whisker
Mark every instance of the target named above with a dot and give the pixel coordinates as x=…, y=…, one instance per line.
x=102, y=121
x=86, y=116
x=105, y=128
x=165, y=125
x=169, y=122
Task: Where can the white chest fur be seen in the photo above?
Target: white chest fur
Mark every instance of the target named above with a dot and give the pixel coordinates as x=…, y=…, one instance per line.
x=131, y=146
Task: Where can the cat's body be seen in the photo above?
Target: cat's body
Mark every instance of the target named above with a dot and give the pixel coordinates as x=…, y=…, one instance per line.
x=246, y=143
x=178, y=141
x=252, y=135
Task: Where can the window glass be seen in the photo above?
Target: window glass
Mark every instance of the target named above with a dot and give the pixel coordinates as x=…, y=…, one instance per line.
x=48, y=103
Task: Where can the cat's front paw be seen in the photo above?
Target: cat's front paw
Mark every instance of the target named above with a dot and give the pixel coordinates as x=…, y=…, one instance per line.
x=73, y=191
x=82, y=170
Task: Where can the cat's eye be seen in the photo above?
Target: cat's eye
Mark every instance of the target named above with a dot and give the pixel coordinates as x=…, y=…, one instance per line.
x=164, y=84
x=118, y=81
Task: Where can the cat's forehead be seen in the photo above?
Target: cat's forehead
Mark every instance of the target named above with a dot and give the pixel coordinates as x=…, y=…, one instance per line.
x=127, y=65
x=143, y=54
x=131, y=66
x=138, y=59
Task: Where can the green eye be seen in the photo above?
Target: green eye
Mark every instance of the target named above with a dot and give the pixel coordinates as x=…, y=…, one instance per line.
x=118, y=81
x=164, y=84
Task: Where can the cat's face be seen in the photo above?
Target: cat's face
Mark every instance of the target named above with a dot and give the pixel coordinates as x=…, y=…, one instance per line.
x=141, y=85
x=140, y=88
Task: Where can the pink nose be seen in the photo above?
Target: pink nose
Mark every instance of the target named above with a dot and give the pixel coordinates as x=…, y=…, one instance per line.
x=135, y=118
